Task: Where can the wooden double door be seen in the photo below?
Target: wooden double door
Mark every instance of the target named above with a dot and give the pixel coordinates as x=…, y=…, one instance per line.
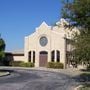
x=43, y=58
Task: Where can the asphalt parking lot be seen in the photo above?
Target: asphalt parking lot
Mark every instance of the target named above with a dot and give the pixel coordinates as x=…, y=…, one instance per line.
x=21, y=79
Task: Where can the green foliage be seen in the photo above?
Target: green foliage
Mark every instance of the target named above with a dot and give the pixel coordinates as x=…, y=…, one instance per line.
x=21, y=64
x=2, y=45
x=82, y=45
x=55, y=65
x=29, y=64
x=15, y=63
x=77, y=11
x=2, y=48
x=50, y=64
x=78, y=14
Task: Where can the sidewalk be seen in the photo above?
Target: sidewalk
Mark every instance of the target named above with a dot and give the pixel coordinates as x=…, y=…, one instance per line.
x=70, y=71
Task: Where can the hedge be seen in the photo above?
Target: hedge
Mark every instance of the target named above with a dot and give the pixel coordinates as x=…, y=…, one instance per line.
x=21, y=64
x=56, y=65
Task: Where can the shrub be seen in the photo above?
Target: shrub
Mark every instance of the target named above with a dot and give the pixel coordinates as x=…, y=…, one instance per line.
x=55, y=65
x=21, y=64
x=15, y=63
x=58, y=65
x=50, y=64
x=29, y=64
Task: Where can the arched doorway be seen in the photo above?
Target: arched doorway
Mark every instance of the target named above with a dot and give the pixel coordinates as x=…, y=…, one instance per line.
x=43, y=56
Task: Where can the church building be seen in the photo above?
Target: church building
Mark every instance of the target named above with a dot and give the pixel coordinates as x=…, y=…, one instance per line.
x=46, y=44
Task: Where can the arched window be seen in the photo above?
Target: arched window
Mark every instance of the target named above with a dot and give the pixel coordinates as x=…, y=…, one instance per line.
x=58, y=56
x=33, y=56
x=52, y=56
x=29, y=56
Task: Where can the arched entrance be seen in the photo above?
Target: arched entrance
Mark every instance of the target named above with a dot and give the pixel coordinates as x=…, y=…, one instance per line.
x=43, y=56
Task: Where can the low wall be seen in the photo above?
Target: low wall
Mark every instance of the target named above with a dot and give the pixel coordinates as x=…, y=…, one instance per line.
x=18, y=58
x=15, y=57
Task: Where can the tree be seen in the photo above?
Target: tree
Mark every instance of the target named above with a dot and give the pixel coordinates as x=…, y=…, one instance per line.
x=82, y=45
x=2, y=48
x=77, y=12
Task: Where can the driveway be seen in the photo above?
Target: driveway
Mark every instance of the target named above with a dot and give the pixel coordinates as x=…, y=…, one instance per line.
x=30, y=79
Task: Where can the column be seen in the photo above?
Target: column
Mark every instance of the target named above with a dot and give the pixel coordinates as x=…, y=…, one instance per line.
x=26, y=57
x=37, y=59
x=49, y=56
x=65, y=53
x=32, y=56
x=55, y=56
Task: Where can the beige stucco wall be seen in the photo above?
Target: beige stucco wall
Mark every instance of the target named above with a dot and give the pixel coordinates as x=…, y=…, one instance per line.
x=19, y=58
x=56, y=36
x=56, y=41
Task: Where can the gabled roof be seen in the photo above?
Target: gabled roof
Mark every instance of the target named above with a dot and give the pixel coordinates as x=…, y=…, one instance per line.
x=44, y=24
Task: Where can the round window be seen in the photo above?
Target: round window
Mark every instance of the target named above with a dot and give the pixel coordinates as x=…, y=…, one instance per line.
x=43, y=41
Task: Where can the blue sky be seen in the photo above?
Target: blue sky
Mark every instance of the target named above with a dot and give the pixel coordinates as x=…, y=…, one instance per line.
x=19, y=18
